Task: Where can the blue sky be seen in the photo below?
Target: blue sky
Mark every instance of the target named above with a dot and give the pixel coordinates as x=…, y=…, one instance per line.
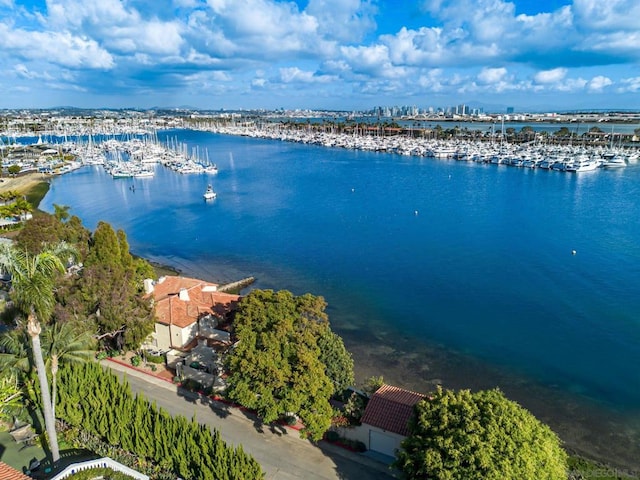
x=320, y=54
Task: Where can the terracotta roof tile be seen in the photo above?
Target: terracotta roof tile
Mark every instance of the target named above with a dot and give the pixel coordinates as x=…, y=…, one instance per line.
x=171, y=310
x=171, y=285
x=9, y=473
x=390, y=408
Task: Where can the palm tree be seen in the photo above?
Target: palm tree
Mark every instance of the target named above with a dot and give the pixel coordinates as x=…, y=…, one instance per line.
x=21, y=207
x=61, y=212
x=10, y=401
x=15, y=355
x=65, y=343
x=33, y=280
x=16, y=361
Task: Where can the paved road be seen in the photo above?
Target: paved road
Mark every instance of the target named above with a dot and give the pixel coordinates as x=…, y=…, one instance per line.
x=279, y=450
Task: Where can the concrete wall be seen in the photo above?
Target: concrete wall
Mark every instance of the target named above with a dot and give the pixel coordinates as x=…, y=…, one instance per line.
x=185, y=335
x=215, y=334
x=359, y=433
x=170, y=336
x=163, y=339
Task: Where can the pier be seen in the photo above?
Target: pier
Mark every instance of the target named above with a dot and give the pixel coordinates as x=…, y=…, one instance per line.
x=236, y=286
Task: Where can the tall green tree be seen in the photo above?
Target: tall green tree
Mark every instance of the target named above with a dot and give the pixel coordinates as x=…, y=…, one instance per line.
x=336, y=359
x=33, y=279
x=275, y=367
x=110, y=288
x=41, y=230
x=478, y=436
x=66, y=343
x=105, y=247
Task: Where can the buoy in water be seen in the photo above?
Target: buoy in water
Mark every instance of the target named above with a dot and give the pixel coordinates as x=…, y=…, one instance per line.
x=573, y=252
x=415, y=212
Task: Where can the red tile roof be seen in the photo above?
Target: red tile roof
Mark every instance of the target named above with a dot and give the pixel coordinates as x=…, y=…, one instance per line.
x=203, y=300
x=390, y=409
x=9, y=473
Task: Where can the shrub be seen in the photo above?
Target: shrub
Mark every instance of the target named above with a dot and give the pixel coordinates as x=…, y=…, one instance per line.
x=157, y=359
x=135, y=361
x=340, y=421
x=99, y=472
x=354, y=408
x=101, y=355
x=359, y=446
x=291, y=420
x=332, y=436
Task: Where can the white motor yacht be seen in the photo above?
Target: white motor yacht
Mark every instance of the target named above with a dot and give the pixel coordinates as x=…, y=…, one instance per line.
x=209, y=194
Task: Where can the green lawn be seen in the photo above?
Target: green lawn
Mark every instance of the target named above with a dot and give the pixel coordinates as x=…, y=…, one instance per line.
x=18, y=456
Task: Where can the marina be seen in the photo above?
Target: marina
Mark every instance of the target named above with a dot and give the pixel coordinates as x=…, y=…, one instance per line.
x=133, y=154
x=449, y=271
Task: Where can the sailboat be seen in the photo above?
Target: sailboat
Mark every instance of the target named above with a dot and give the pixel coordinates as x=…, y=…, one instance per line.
x=209, y=194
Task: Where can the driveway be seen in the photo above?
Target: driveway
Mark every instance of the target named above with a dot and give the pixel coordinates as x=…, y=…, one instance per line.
x=279, y=450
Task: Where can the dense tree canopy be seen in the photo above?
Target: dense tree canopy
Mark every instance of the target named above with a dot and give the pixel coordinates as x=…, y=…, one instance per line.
x=479, y=436
x=108, y=293
x=44, y=229
x=276, y=367
x=41, y=230
x=336, y=359
x=105, y=297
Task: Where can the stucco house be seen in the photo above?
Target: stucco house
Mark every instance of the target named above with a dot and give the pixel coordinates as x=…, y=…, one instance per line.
x=384, y=424
x=187, y=309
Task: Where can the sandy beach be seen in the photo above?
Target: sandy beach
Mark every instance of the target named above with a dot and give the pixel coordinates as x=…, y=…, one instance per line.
x=22, y=183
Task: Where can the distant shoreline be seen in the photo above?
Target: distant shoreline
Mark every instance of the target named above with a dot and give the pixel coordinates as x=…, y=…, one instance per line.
x=371, y=362
x=32, y=186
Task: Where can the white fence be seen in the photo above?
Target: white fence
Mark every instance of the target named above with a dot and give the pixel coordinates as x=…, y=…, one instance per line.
x=105, y=462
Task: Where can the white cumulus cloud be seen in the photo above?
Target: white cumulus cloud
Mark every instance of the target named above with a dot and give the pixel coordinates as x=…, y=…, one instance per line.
x=61, y=48
x=492, y=75
x=343, y=20
x=550, y=76
x=598, y=83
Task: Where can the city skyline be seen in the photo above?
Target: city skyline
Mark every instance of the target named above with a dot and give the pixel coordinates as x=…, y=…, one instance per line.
x=320, y=54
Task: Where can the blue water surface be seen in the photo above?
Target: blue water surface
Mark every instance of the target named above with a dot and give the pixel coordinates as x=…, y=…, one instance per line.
x=474, y=257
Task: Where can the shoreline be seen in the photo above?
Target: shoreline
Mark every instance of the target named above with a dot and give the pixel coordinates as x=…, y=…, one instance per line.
x=418, y=369
x=421, y=369
x=588, y=431
x=24, y=183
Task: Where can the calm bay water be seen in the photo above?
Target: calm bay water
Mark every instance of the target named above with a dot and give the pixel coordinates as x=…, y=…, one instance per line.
x=467, y=262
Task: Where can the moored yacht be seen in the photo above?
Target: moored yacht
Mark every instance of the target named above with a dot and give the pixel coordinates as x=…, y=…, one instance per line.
x=615, y=161
x=209, y=194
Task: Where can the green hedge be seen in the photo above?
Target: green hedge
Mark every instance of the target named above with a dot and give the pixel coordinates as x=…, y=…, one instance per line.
x=104, y=473
x=157, y=359
x=94, y=399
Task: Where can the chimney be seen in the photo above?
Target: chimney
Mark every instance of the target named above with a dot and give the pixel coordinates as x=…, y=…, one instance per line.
x=183, y=295
x=148, y=286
